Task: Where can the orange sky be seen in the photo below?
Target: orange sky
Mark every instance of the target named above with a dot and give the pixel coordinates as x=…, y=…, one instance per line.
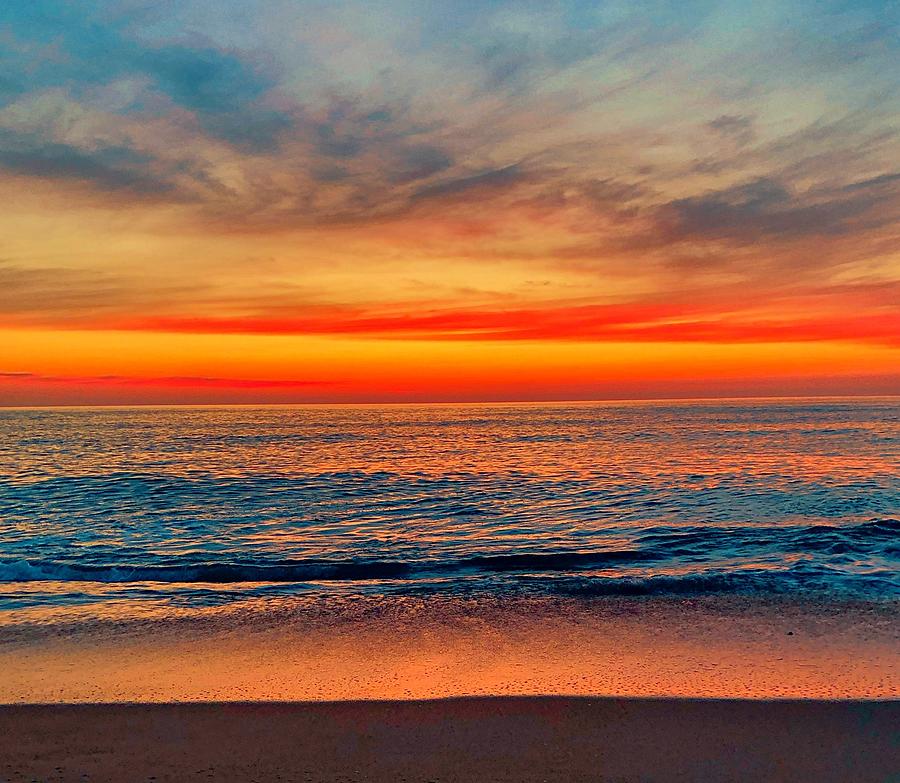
x=389, y=203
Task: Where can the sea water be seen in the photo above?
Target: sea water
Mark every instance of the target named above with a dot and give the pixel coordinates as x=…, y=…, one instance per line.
x=114, y=510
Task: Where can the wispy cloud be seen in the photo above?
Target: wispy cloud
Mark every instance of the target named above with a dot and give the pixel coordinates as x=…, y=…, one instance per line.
x=165, y=381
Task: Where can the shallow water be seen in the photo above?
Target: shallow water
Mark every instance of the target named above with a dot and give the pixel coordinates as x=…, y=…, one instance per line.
x=135, y=509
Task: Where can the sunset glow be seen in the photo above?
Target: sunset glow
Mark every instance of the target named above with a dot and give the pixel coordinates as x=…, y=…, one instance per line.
x=275, y=202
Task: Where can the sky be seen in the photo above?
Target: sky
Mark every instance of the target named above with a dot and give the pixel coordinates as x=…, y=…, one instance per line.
x=273, y=201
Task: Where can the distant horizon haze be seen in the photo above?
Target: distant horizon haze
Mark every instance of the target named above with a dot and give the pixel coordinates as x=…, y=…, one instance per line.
x=25, y=390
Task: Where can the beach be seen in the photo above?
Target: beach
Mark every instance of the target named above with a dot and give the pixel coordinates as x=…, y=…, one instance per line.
x=359, y=648
x=457, y=690
x=454, y=740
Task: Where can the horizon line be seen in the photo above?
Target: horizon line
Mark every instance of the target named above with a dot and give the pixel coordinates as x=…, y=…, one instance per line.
x=423, y=403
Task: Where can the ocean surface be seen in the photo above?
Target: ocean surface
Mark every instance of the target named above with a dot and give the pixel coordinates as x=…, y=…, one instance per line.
x=118, y=511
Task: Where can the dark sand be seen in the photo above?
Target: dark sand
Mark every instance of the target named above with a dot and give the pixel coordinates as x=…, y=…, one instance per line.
x=471, y=739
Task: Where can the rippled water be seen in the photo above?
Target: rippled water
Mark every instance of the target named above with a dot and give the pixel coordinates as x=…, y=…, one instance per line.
x=191, y=507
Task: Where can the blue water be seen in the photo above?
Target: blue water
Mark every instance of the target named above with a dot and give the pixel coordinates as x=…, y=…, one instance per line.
x=194, y=507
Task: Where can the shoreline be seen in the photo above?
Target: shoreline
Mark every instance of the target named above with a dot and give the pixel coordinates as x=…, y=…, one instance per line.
x=372, y=648
x=495, y=738
x=376, y=701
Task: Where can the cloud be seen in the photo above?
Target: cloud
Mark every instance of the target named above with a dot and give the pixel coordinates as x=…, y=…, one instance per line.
x=110, y=168
x=166, y=380
x=680, y=150
x=68, y=296
x=466, y=99
x=718, y=320
x=734, y=127
x=482, y=183
x=418, y=162
x=223, y=89
x=765, y=209
x=54, y=291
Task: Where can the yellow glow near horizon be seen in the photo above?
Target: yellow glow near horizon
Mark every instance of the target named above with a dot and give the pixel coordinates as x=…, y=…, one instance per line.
x=354, y=369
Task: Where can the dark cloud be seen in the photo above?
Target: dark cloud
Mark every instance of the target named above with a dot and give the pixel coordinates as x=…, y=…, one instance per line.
x=734, y=127
x=350, y=127
x=757, y=229
x=251, y=129
x=766, y=209
x=482, y=182
x=611, y=191
x=335, y=144
x=338, y=152
x=419, y=161
x=509, y=64
x=883, y=182
x=107, y=168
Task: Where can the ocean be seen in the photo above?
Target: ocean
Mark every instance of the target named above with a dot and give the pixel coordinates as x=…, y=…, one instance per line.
x=112, y=512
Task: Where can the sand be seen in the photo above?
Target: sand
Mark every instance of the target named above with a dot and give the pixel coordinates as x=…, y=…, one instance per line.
x=470, y=739
x=429, y=648
x=441, y=690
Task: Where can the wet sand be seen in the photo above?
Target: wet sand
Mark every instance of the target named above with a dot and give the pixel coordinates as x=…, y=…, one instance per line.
x=419, y=649
x=471, y=739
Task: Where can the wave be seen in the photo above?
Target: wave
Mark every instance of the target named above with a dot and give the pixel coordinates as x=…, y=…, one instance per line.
x=816, y=580
x=577, y=573
x=308, y=570
x=213, y=573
